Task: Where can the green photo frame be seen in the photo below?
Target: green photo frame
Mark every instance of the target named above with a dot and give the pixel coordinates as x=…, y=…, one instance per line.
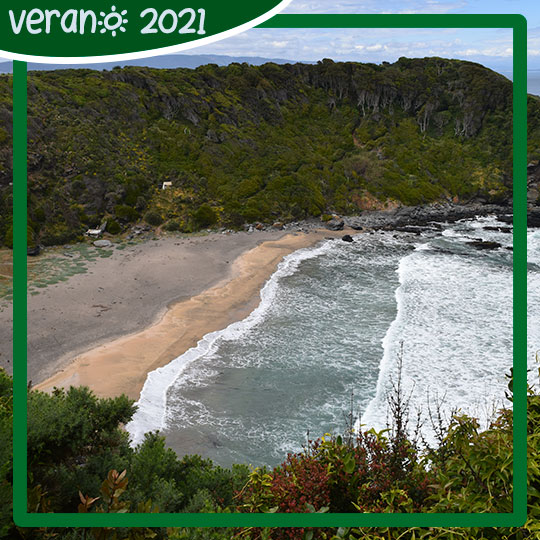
x=516, y=518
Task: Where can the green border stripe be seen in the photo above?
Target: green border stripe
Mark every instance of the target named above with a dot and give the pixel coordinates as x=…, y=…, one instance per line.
x=517, y=518
x=19, y=287
x=393, y=21
x=270, y=520
x=520, y=270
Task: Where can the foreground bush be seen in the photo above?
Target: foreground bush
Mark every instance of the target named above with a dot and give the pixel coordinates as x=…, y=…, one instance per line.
x=76, y=449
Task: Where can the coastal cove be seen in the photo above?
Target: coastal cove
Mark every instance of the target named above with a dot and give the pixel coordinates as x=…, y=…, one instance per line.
x=120, y=364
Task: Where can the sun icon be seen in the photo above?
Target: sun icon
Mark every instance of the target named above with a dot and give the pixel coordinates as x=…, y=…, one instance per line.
x=113, y=21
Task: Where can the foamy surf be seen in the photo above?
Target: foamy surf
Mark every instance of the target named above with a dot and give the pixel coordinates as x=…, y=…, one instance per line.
x=151, y=414
x=454, y=321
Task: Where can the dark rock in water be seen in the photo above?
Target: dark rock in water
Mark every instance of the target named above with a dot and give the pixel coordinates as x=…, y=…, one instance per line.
x=33, y=251
x=482, y=244
x=498, y=229
x=335, y=224
x=411, y=229
x=506, y=218
x=533, y=217
x=347, y=238
x=329, y=238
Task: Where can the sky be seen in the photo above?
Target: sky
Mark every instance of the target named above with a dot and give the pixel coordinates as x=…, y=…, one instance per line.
x=490, y=47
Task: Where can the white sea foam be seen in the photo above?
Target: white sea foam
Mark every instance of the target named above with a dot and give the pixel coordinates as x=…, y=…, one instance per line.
x=455, y=322
x=533, y=304
x=151, y=411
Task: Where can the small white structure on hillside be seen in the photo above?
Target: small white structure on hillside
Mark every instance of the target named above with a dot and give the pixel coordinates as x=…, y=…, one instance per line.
x=166, y=185
x=95, y=233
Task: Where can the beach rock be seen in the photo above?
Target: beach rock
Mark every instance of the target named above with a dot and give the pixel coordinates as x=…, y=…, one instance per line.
x=347, y=238
x=335, y=224
x=102, y=243
x=33, y=251
x=259, y=226
x=278, y=225
x=482, y=244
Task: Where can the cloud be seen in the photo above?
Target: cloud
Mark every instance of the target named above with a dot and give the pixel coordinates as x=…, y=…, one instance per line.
x=376, y=6
x=375, y=48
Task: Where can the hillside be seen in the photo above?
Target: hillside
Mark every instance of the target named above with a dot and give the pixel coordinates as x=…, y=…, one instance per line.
x=246, y=143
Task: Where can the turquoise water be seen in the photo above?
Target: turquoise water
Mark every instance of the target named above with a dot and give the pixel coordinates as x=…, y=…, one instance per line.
x=330, y=325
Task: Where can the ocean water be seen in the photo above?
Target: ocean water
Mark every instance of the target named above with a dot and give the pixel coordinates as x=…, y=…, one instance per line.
x=328, y=332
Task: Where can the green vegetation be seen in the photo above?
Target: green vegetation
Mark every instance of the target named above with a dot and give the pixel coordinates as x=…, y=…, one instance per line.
x=76, y=448
x=257, y=143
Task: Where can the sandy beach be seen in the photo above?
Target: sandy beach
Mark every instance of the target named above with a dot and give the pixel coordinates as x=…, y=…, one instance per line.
x=142, y=307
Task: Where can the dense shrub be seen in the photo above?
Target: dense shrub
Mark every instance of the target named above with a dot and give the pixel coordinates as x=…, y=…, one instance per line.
x=153, y=218
x=113, y=226
x=205, y=216
x=126, y=213
x=172, y=225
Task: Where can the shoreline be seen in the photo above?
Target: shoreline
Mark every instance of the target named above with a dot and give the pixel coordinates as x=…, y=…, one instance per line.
x=131, y=289
x=122, y=365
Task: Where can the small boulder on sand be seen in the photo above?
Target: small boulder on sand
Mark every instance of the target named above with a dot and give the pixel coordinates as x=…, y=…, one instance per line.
x=102, y=243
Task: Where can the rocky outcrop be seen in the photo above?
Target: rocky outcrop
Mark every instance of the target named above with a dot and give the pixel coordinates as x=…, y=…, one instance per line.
x=416, y=218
